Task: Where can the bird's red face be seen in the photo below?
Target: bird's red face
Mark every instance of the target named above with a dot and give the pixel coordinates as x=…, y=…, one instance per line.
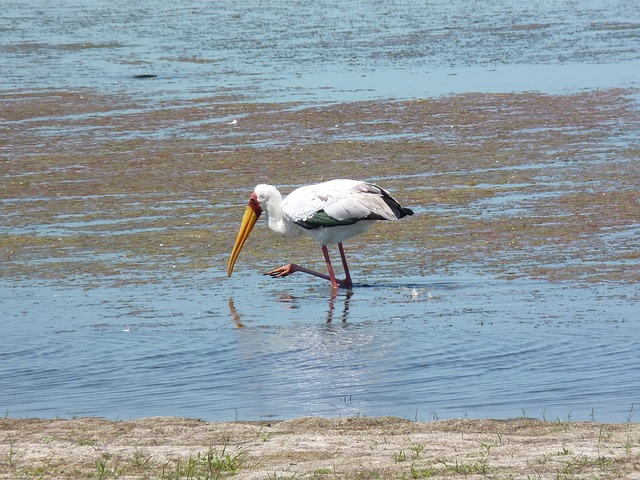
x=251, y=215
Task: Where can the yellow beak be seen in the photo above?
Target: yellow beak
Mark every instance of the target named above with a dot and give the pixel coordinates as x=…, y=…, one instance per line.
x=248, y=221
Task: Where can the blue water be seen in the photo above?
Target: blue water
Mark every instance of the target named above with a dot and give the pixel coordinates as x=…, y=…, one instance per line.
x=255, y=348
x=259, y=348
x=319, y=50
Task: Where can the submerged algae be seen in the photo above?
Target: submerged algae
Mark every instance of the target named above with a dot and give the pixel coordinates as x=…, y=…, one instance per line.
x=513, y=184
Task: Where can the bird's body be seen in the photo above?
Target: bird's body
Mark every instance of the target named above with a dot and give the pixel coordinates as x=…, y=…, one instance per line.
x=330, y=212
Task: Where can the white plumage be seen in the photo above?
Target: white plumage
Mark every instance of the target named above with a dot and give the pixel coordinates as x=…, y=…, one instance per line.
x=330, y=212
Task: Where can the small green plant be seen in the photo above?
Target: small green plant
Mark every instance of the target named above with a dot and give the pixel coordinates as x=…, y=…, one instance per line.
x=468, y=468
x=400, y=456
x=602, y=435
x=210, y=465
x=104, y=469
x=322, y=471
x=140, y=461
x=186, y=471
x=486, y=448
x=35, y=472
x=85, y=441
x=582, y=463
x=416, y=472
x=418, y=449
x=604, y=463
x=216, y=464
x=12, y=452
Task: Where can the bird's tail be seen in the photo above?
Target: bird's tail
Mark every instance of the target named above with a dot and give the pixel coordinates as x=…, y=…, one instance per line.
x=404, y=211
x=398, y=210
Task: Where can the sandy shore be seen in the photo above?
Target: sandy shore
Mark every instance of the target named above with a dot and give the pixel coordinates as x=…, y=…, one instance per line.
x=353, y=448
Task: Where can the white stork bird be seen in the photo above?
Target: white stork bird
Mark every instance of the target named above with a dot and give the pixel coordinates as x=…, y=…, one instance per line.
x=330, y=212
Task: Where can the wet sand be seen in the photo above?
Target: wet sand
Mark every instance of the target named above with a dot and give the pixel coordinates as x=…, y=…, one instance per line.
x=348, y=448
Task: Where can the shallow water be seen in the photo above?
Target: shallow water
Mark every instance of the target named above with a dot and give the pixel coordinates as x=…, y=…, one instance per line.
x=315, y=51
x=512, y=291
x=414, y=347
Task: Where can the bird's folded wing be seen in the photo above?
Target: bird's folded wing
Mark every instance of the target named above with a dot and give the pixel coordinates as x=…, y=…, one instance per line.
x=333, y=207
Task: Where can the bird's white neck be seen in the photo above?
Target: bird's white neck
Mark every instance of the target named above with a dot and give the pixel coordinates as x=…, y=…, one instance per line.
x=271, y=200
x=274, y=215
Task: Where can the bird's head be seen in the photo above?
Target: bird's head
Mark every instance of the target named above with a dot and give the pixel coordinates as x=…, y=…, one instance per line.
x=251, y=215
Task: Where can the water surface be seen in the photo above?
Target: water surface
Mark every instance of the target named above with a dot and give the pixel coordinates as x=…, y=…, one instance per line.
x=510, y=129
x=413, y=347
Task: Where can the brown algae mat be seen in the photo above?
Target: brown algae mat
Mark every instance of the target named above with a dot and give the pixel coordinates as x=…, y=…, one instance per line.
x=520, y=184
x=349, y=448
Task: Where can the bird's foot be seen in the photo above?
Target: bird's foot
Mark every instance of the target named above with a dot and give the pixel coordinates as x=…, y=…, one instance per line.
x=347, y=283
x=283, y=271
x=292, y=268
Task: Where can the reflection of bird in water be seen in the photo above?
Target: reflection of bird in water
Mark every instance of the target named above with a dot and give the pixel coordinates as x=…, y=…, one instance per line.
x=290, y=301
x=332, y=305
x=234, y=314
x=330, y=212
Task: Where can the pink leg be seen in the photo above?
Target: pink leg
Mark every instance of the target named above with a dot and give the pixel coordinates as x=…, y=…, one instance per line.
x=293, y=268
x=332, y=275
x=335, y=283
x=347, y=280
